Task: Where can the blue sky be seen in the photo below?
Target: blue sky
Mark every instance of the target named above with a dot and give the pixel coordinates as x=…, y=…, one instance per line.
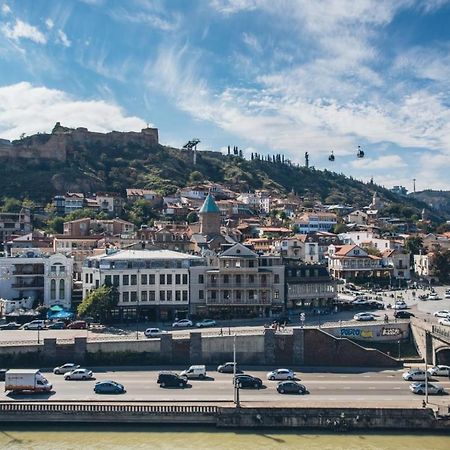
x=266, y=75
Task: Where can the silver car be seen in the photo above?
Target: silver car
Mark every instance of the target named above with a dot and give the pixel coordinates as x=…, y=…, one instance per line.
x=281, y=374
x=65, y=368
x=420, y=388
x=439, y=371
x=79, y=374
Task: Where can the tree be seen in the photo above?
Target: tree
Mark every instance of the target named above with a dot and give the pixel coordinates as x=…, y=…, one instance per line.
x=192, y=217
x=340, y=228
x=442, y=266
x=195, y=176
x=99, y=303
x=11, y=205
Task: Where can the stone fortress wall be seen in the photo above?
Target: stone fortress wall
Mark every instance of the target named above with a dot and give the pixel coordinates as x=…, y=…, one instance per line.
x=62, y=141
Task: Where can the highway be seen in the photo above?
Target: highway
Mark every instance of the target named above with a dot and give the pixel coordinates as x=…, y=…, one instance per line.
x=370, y=388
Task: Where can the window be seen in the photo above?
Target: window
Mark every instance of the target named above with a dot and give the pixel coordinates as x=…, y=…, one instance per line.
x=226, y=279
x=185, y=296
x=107, y=280
x=133, y=280
x=86, y=278
x=53, y=289
x=151, y=279
x=238, y=279
x=133, y=296
x=162, y=279
x=126, y=297
x=276, y=278
x=226, y=295
x=91, y=278
x=238, y=295
x=162, y=296
x=151, y=296
x=143, y=296
x=251, y=264
x=177, y=296
x=185, y=278
x=53, y=269
x=201, y=279
x=201, y=294
x=125, y=280
x=251, y=278
x=116, y=280
x=143, y=279
x=177, y=278
x=276, y=294
x=213, y=295
x=169, y=279
x=169, y=296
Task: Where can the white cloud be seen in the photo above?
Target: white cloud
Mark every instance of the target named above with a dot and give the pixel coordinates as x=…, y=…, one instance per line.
x=386, y=162
x=6, y=9
x=49, y=23
x=63, y=39
x=23, y=30
x=252, y=42
x=28, y=109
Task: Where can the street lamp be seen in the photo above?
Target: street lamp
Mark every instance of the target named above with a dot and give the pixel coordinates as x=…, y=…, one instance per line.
x=426, y=368
x=235, y=384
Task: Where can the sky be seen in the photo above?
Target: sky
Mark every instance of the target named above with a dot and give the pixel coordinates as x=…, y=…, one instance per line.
x=270, y=76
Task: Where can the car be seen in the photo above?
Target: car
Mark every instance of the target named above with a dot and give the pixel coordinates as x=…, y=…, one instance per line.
x=447, y=295
x=171, y=379
x=182, y=323
x=198, y=371
x=433, y=296
x=281, y=374
x=79, y=374
x=206, y=323
x=364, y=316
x=415, y=375
x=109, y=387
x=402, y=314
x=57, y=326
x=10, y=326
x=445, y=322
x=3, y=374
x=359, y=302
x=248, y=381
x=34, y=325
x=291, y=387
x=439, y=371
x=228, y=367
x=442, y=313
x=154, y=332
x=376, y=304
x=77, y=325
x=400, y=304
x=432, y=388
x=65, y=368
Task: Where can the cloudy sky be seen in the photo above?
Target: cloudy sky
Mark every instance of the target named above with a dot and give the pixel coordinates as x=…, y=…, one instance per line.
x=269, y=76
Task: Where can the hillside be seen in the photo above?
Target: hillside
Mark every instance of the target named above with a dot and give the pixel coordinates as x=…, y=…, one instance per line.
x=437, y=200
x=95, y=165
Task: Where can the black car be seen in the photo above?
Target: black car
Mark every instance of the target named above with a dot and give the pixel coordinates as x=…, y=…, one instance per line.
x=291, y=387
x=247, y=381
x=403, y=314
x=170, y=379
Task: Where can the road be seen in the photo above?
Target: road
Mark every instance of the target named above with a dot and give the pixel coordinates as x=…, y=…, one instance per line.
x=385, y=387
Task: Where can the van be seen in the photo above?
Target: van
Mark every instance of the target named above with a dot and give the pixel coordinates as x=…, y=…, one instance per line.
x=34, y=325
x=194, y=372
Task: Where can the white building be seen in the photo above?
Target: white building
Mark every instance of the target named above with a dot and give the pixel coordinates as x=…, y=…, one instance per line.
x=366, y=238
x=315, y=221
x=47, y=279
x=151, y=283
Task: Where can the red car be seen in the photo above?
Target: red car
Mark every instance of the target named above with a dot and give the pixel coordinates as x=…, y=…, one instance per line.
x=77, y=325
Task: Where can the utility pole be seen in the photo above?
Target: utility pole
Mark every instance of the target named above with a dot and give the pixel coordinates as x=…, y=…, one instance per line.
x=235, y=384
x=414, y=185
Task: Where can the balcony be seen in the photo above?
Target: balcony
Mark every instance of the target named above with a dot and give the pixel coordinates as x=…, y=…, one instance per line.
x=28, y=270
x=237, y=302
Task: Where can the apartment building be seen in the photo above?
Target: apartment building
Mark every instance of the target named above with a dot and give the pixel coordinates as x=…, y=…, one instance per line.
x=315, y=221
x=14, y=224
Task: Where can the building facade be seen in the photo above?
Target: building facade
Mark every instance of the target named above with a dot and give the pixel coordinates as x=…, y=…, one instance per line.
x=14, y=224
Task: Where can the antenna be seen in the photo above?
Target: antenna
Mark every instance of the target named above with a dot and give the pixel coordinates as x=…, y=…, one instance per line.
x=414, y=185
x=306, y=159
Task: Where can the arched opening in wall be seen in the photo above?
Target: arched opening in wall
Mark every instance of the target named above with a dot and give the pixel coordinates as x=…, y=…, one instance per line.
x=443, y=356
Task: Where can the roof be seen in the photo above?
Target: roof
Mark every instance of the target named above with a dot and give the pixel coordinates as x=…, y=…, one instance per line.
x=345, y=249
x=209, y=205
x=144, y=254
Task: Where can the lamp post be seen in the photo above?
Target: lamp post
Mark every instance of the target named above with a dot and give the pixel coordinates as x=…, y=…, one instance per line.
x=235, y=384
x=399, y=348
x=426, y=368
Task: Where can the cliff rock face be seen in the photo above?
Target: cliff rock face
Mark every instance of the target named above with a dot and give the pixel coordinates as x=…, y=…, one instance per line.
x=63, y=142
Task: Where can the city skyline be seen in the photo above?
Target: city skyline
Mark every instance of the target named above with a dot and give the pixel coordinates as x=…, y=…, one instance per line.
x=271, y=77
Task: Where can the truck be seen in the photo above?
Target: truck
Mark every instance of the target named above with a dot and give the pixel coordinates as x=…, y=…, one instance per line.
x=32, y=380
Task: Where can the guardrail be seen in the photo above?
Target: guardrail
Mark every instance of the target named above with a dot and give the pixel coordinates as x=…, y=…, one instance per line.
x=441, y=332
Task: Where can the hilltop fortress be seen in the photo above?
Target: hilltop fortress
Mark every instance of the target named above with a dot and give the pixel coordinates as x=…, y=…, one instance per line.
x=63, y=141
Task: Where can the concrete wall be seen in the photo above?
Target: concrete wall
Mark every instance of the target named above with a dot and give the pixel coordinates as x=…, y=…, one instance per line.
x=390, y=332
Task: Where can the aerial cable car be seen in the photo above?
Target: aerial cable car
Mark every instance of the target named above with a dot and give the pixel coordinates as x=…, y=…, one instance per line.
x=360, y=153
x=331, y=157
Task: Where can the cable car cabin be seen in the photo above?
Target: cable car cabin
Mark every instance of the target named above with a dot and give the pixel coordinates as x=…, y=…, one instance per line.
x=331, y=157
x=360, y=153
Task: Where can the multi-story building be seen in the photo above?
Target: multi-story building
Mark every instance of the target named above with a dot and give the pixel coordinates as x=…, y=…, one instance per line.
x=35, y=241
x=239, y=283
x=153, y=284
x=73, y=201
x=110, y=202
x=14, y=224
x=300, y=247
x=47, y=279
x=308, y=286
x=366, y=239
x=399, y=260
x=85, y=226
x=353, y=263
x=315, y=221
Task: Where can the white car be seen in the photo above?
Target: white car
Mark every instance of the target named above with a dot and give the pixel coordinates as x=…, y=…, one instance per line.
x=400, y=304
x=79, y=374
x=65, y=368
x=442, y=313
x=154, y=332
x=182, y=323
x=439, y=371
x=447, y=295
x=359, y=301
x=364, y=316
x=34, y=325
x=433, y=389
x=281, y=374
x=445, y=322
x=415, y=375
x=433, y=296
x=206, y=323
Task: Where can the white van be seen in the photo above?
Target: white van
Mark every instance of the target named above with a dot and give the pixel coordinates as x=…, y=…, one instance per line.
x=194, y=372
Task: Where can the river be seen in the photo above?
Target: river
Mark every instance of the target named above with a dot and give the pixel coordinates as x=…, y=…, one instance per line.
x=83, y=437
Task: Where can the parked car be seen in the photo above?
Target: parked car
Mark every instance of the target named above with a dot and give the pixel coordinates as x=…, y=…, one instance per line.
x=65, y=368
x=291, y=387
x=402, y=314
x=182, y=323
x=57, y=326
x=281, y=374
x=2, y=374
x=79, y=374
x=433, y=296
x=442, y=313
x=376, y=304
x=10, y=326
x=77, y=325
x=206, y=323
x=415, y=375
x=359, y=302
x=34, y=325
x=364, y=316
x=400, y=304
x=420, y=388
x=170, y=379
x=154, y=332
x=109, y=387
x=248, y=381
x=198, y=371
x=439, y=371
x=228, y=367
x=447, y=294
x=445, y=322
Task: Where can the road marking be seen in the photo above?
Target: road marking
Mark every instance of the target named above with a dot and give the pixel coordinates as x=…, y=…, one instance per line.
x=367, y=376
